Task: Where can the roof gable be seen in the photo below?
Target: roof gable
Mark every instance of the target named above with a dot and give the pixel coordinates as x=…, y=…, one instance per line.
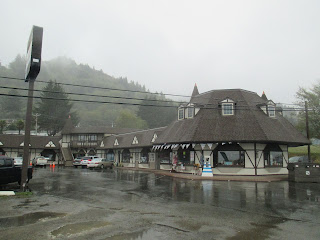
x=155, y=136
x=50, y=144
x=135, y=140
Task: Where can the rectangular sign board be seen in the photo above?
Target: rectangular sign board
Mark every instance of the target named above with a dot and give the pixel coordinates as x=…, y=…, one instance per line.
x=34, y=53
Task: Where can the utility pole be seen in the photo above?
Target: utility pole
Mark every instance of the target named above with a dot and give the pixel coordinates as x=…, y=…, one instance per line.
x=32, y=70
x=36, y=115
x=307, y=129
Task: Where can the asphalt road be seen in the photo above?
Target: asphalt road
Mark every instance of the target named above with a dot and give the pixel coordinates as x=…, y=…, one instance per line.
x=124, y=204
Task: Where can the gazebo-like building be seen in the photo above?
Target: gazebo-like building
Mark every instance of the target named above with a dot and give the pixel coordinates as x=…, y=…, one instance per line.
x=236, y=131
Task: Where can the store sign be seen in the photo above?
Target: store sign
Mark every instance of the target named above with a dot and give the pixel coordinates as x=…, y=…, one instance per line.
x=34, y=53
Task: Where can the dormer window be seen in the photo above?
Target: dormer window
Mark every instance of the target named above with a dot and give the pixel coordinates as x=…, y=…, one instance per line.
x=227, y=107
x=190, y=111
x=271, y=109
x=181, y=113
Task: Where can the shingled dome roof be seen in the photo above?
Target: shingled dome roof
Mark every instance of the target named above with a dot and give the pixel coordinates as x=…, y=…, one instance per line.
x=248, y=124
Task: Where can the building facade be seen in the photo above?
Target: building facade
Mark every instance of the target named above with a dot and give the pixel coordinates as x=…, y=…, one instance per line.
x=236, y=131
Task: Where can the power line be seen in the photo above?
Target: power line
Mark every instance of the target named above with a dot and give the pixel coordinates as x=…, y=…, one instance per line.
x=104, y=88
x=94, y=95
x=241, y=108
x=134, y=91
x=87, y=101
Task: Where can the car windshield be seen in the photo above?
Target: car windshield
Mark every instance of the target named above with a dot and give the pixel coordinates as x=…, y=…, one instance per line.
x=298, y=159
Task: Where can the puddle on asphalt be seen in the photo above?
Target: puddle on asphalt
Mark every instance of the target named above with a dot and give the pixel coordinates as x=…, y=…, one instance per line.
x=140, y=235
x=28, y=218
x=259, y=231
x=191, y=226
x=78, y=228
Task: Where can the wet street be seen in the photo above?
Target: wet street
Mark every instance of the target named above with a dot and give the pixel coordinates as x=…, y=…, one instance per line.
x=124, y=204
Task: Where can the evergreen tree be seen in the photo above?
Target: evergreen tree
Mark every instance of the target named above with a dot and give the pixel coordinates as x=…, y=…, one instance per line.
x=3, y=125
x=157, y=116
x=128, y=119
x=20, y=125
x=312, y=97
x=18, y=66
x=54, y=109
x=12, y=106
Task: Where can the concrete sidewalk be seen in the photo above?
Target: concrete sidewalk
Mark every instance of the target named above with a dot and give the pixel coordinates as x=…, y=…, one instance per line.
x=266, y=178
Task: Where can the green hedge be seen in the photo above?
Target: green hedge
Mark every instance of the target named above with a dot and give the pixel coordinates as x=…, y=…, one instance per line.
x=299, y=151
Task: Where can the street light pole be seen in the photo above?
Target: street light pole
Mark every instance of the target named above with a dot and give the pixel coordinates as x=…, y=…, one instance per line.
x=32, y=70
x=36, y=115
x=25, y=164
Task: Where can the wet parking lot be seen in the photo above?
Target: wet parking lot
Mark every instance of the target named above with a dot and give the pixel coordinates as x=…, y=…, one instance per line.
x=124, y=204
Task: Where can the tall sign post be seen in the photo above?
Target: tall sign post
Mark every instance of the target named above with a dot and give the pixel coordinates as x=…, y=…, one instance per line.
x=32, y=70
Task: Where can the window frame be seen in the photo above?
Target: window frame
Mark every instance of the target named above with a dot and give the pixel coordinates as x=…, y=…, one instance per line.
x=267, y=152
x=225, y=104
x=181, y=116
x=190, y=110
x=230, y=148
x=271, y=110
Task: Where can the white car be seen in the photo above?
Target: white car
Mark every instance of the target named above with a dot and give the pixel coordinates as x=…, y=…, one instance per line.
x=94, y=163
x=86, y=160
x=40, y=161
x=18, y=161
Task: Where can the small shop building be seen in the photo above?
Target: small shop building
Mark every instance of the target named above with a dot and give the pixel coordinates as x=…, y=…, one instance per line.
x=236, y=131
x=11, y=145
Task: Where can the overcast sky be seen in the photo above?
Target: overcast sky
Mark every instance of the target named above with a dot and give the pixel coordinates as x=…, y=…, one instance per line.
x=271, y=45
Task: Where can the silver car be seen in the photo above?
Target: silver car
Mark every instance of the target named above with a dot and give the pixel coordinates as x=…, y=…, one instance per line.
x=18, y=161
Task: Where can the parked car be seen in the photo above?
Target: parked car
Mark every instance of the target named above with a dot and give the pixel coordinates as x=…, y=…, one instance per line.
x=40, y=161
x=18, y=161
x=87, y=159
x=77, y=162
x=105, y=163
x=299, y=159
x=9, y=172
x=94, y=163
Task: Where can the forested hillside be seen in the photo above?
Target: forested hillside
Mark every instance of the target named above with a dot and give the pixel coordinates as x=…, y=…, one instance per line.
x=67, y=71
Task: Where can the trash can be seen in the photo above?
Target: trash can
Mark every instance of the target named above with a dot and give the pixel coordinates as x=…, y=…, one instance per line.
x=304, y=172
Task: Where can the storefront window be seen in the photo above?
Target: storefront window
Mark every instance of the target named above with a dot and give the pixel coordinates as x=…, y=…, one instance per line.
x=273, y=159
x=184, y=156
x=165, y=157
x=126, y=156
x=229, y=155
x=273, y=156
x=144, y=156
x=230, y=158
x=110, y=156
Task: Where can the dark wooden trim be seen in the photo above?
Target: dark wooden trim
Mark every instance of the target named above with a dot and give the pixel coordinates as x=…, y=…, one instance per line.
x=255, y=159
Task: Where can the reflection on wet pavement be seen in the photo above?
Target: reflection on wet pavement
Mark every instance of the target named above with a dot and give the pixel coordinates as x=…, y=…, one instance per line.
x=75, y=228
x=140, y=235
x=128, y=204
x=28, y=218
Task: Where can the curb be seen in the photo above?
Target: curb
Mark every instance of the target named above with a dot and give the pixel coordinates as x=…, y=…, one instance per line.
x=264, y=178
